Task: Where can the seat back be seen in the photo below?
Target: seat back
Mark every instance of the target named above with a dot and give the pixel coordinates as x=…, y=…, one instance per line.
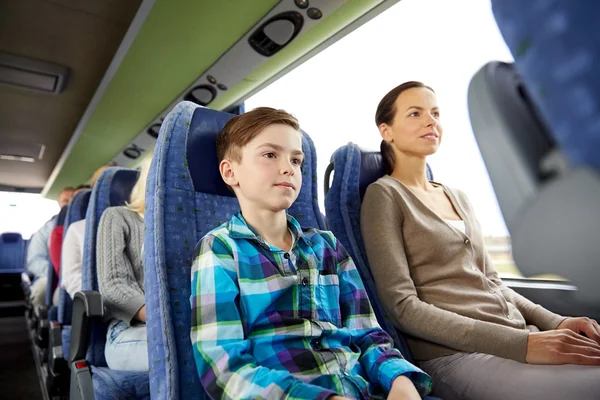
x=112, y=189
x=185, y=199
x=354, y=170
x=52, y=281
x=76, y=212
x=12, y=252
x=549, y=193
x=557, y=51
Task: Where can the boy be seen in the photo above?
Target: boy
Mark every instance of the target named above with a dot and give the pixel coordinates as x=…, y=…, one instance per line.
x=279, y=311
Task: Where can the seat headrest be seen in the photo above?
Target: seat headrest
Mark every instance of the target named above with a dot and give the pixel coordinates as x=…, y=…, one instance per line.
x=201, y=154
x=201, y=151
x=121, y=185
x=11, y=237
x=371, y=169
x=60, y=220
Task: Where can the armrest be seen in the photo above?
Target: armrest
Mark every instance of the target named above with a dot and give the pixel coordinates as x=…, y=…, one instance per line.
x=87, y=304
x=55, y=346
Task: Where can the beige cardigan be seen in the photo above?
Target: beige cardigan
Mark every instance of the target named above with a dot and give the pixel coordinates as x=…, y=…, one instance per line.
x=438, y=284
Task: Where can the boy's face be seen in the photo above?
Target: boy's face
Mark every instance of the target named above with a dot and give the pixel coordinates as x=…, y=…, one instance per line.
x=269, y=175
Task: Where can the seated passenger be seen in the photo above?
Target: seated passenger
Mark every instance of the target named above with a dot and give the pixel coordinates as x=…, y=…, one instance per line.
x=477, y=338
x=38, y=253
x=121, y=279
x=56, y=237
x=72, y=248
x=280, y=311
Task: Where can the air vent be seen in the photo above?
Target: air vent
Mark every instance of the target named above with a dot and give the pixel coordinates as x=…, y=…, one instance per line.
x=32, y=74
x=276, y=33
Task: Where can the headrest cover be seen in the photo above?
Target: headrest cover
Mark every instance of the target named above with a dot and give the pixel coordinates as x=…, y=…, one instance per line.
x=60, y=220
x=121, y=185
x=201, y=151
x=11, y=237
x=371, y=169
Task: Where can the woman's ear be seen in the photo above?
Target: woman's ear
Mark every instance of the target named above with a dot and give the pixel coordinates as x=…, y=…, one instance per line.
x=386, y=132
x=227, y=170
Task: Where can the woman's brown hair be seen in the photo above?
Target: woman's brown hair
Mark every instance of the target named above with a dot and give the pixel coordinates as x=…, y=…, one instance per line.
x=386, y=110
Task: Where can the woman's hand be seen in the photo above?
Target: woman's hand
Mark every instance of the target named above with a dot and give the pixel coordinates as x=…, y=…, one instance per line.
x=583, y=325
x=141, y=314
x=561, y=346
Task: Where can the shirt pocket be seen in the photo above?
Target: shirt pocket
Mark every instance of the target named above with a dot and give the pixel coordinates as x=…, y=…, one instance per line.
x=328, y=297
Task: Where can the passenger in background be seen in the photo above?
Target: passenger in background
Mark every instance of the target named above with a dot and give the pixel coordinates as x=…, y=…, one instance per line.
x=121, y=279
x=280, y=311
x=72, y=248
x=38, y=252
x=476, y=337
x=56, y=241
x=65, y=196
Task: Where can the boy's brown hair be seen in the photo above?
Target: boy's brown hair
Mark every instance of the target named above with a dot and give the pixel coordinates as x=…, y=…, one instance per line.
x=241, y=129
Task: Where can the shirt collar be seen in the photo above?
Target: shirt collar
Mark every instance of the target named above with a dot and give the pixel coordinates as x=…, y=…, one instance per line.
x=239, y=228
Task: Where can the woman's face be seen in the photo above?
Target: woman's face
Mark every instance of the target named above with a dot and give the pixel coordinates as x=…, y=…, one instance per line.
x=416, y=129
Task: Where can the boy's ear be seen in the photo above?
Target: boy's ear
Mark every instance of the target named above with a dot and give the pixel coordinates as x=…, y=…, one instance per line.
x=226, y=169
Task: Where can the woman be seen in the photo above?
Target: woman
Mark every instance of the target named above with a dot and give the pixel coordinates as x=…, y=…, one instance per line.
x=121, y=279
x=72, y=247
x=477, y=338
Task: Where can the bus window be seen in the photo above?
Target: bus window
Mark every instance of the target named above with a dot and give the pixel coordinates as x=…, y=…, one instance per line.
x=335, y=94
x=25, y=213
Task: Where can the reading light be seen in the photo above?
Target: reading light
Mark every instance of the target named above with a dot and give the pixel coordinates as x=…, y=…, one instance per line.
x=32, y=74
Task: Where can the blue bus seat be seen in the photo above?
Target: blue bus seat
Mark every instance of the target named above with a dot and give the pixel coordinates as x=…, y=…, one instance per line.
x=554, y=83
x=354, y=169
x=12, y=265
x=185, y=199
x=76, y=212
x=12, y=253
x=59, y=336
x=90, y=376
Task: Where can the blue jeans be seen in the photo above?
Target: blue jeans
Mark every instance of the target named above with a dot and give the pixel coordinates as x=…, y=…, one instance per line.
x=126, y=346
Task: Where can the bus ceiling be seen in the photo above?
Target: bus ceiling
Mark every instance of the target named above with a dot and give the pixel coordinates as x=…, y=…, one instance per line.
x=124, y=64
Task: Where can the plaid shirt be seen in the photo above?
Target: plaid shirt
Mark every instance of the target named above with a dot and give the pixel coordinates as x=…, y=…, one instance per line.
x=297, y=325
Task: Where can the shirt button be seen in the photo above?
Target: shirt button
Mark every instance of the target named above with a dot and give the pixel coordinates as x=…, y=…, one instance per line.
x=509, y=317
x=473, y=268
x=492, y=291
x=304, y=281
x=286, y=256
x=467, y=241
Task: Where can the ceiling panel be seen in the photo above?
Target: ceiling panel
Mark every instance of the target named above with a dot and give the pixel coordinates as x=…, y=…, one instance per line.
x=82, y=35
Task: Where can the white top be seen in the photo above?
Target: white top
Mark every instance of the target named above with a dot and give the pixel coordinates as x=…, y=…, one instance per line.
x=457, y=224
x=72, y=257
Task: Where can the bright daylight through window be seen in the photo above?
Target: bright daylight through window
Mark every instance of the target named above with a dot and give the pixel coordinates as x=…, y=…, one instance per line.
x=441, y=43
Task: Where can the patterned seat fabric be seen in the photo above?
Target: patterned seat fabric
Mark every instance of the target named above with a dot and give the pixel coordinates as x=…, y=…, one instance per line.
x=556, y=49
x=185, y=199
x=112, y=188
x=354, y=170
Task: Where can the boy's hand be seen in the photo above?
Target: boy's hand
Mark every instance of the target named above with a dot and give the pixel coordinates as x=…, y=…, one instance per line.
x=403, y=389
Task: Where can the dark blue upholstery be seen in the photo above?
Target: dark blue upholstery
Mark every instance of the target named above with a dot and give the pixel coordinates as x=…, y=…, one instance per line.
x=76, y=212
x=556, y=49
x=112, y=188
x=52, y=281
x=354, y=170
x=186, y=198
x=12, y=253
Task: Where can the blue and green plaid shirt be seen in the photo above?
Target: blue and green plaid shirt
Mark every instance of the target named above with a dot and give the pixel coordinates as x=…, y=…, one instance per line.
x=269, y=324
